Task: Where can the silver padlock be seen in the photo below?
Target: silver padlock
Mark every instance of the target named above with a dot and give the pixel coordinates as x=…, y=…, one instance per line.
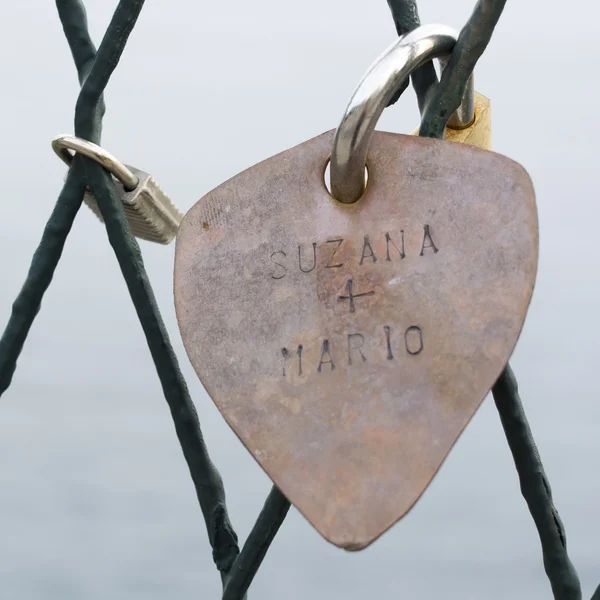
x=150, y=212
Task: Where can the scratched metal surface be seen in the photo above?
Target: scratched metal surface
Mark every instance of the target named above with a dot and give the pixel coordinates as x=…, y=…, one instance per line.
x=348, y=346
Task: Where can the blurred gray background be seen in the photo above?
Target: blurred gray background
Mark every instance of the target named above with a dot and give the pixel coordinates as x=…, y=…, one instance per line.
x=95, y=497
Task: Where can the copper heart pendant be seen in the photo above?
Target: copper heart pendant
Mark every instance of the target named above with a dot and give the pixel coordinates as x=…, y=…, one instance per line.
x=348, y=345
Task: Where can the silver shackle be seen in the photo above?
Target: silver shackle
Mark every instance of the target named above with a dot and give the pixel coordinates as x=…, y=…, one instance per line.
x=383, y=79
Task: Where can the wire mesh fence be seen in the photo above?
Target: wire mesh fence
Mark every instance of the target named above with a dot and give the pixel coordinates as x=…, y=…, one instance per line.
x=437, y=100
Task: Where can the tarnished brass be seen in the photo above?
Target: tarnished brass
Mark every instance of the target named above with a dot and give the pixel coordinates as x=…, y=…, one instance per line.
x=348, y=345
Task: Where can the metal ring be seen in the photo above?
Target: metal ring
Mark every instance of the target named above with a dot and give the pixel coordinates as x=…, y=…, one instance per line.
x=390, y=70
x=63, y=143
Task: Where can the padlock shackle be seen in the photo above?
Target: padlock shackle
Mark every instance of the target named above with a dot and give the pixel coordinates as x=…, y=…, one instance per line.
x=63, y=143
x=382, y=80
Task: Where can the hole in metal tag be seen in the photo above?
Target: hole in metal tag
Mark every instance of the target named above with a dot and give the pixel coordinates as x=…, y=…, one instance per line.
x=327, y=177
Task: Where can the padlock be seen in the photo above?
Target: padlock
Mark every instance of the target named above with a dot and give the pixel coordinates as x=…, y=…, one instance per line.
x=151, y=214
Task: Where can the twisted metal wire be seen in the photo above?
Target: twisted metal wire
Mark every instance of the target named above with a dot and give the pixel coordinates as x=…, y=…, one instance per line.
x=45, y=259
x=248, y=562
x=536, y=488
x=473, y=39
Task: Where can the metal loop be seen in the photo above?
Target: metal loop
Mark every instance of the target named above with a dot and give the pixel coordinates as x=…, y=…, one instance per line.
x=63, y=143
x=386, y=75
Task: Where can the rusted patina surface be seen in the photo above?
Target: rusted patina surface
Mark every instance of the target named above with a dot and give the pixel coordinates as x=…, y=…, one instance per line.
x=349, y=345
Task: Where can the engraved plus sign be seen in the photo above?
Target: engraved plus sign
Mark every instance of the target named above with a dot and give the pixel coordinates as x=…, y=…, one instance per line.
x=351, y=296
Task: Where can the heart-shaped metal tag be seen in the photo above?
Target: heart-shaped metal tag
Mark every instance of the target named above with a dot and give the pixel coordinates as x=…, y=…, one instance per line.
x=348, y=345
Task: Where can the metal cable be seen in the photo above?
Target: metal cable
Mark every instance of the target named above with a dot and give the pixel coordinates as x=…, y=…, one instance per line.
x=472, y=41
x=206, y=478
x=28, y=302
x=248, y=562
x=406, y=18
x=536, y=488
x=45, y=259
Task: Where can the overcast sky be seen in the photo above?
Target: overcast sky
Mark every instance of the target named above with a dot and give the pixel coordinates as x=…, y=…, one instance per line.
x=95, y=497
